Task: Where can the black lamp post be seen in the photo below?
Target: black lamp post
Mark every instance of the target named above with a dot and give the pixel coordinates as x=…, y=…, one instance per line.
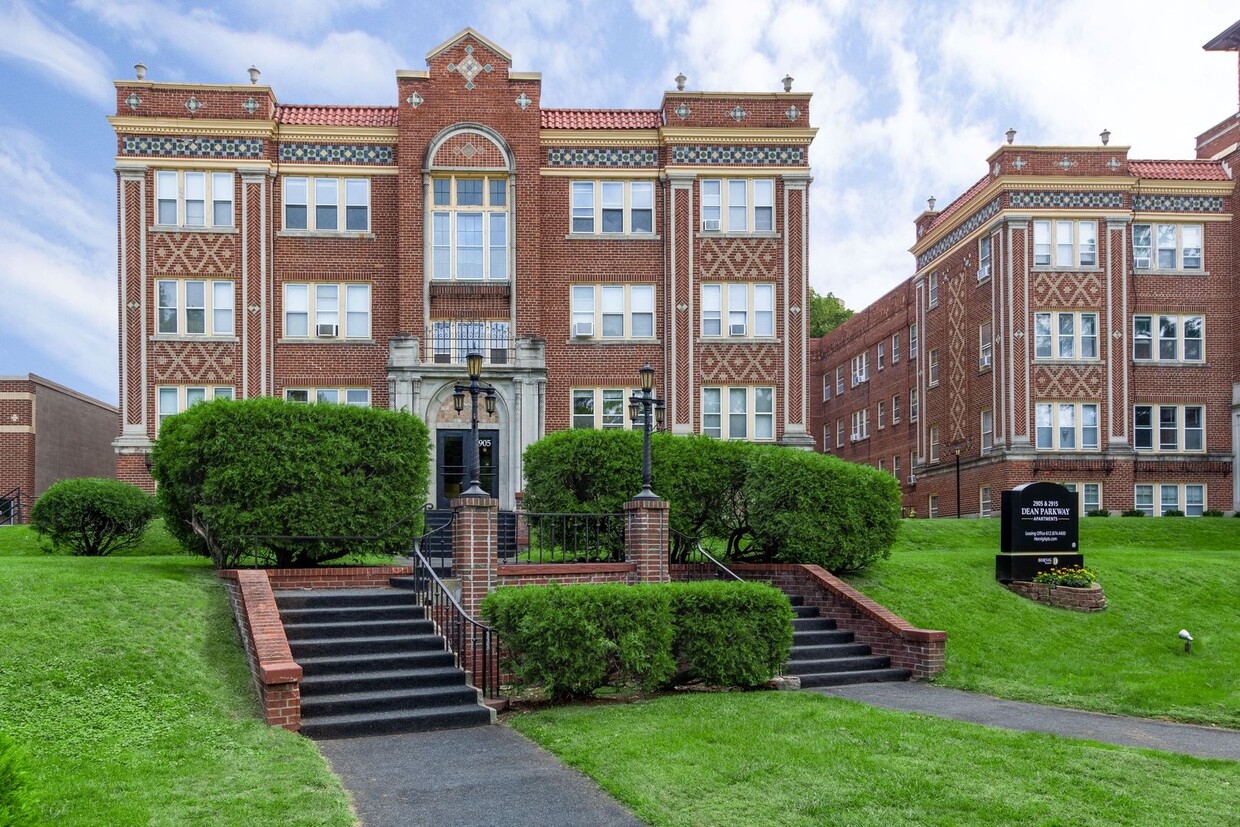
x=473, y=365
x=639, y=406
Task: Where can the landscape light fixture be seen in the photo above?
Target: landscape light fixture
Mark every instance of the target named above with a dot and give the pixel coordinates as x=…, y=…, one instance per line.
x=641, y=406
x=1188, y=640
x=473, y=366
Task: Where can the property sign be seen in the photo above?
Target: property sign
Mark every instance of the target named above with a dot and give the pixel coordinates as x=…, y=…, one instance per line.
x=1040, y=517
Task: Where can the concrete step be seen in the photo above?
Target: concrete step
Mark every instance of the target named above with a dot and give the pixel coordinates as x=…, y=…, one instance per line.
x=841, y=664
x=426, y=720
x=859, y=676
x=828, y=651
x=340, y=598
x=352, y=614
x=357, y=629
x=812, y=624
x=365, y=645
x=388, y=700
x=378, y=661
x=381, y=680
x=804, y=611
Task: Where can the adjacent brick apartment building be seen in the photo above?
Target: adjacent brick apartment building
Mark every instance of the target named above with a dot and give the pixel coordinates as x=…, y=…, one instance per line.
x=1071, y=318
x=356, y=254
x=48, y=433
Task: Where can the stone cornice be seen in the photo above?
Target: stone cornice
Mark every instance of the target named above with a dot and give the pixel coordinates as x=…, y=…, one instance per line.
x=233, y=127
x=731, y=135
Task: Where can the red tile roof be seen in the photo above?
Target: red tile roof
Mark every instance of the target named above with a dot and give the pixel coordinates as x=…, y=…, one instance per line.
x=1179, y=170
x=336, y=115
x=602, y=118
x=955, y=206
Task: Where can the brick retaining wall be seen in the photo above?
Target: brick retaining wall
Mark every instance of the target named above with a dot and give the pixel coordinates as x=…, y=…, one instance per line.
x=520, y=574
x=276, y=675
x=336, y=577
x=1064, y=597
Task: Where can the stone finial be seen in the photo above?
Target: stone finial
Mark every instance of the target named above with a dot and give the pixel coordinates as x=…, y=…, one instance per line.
x=680, y=82
x=254, y=73
x=139, y=69
x=930, y=203
x=1105, y=135
x=1011, y=134
x=788, y=82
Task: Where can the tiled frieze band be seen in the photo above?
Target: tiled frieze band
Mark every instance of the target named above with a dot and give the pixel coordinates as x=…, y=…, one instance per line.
x=743, y=155
x=166, y=146
x=970, y=224
x=619, y=157
x=1095, y=200
x=338, y=153
x=1177, y=203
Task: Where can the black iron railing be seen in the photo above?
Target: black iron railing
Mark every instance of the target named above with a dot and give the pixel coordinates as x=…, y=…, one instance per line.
x=473, y=643
x=11, y=507
x=566, y=538
x=685, y=549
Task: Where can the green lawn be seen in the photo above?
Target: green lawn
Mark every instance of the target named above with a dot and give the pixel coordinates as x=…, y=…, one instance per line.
x=1160, y=575
x=123, y=679
x=797, y=758
x=20, y=540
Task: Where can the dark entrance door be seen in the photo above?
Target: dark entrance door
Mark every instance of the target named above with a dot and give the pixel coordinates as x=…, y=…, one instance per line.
x=452, y=464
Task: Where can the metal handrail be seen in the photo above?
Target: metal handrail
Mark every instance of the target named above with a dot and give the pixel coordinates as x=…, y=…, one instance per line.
x=568, y=537
x=14, y=515
x=702, y=551
x=472, y=642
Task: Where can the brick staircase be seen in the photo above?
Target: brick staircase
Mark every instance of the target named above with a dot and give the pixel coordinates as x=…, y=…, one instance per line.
x=823, y=655
x=373, y=664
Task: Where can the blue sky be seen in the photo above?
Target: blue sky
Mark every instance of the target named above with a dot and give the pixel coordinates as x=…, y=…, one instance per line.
x=909, y=98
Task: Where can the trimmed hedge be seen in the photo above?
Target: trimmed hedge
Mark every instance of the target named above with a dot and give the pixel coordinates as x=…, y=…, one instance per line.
x=93, y=517
x=269, y=467
x=572, y=640
x=17, y=805
x=764, y=502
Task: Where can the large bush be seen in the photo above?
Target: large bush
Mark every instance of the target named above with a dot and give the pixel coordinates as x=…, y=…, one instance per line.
x=16, y=799
x=572, y=640
x=92, y=517
x=269, y=467
x=766, y=503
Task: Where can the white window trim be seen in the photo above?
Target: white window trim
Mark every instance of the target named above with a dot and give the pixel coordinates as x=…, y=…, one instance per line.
x=860, y=368
x=913, y=407
x=985, y=346
x=860, y=425
x=985, y=504
x=1156, y=429
x=1077, y=337
x=210, y=393
x=932, y=291
x=1153, y=267
x=751, y=291
x=751, y=207
x=895, y=409
x=839, y=432
x=934, y=444
x=1078, y=424
x=496, y=339
x=597, y=314
x=596, y=216
x=209, y=199
x=932, y=506
x=986, y=449
x=343, y=393
x=208, y=308
x=881, y=415
x=839, y=380
x=342, y=312
x=751, y=413
x=342, y=206
x=1156, y=488
x=932, y=368
x=452, y=210
x=597, y=395
x=895, y=348
x=984, y=248
x=1078, y=249
x=1155, y=323
x=1078, y=487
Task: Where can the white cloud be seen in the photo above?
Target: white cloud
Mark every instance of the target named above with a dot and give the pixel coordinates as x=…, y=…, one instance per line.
x=68, y=60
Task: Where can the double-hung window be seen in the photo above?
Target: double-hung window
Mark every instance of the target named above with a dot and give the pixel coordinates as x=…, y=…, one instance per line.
x=933, y=357
x=861, y=425
x=172, y=399
x=934, y=444
x=315, y=204
x=1089, y=493
x=601, y=408
x=826, y=387
x=895, y=409
x=839, y=380
x=1065, y=335
x=613, y=311
x=882, y=415
x=860, y=368
x=983, y=258
x=469, y=228
x=193, y=199
x=1066, y=426
x=879, y=355
x=1170, y=497
x=895, y=348
x=1065, y=244
x=612, y=207
x=358, y=397
x=1167, y=247
x=988, y=430
x=1180, y=338
x=750, y=310
x=912, y=341
x=912, y=405
x=1169, y=428
x=314, y=311
x=933, y=290
x=839, y=433
x=738, y=205
x=985, y=346
x=984, y=502
x=750, y=412
x=191, y=307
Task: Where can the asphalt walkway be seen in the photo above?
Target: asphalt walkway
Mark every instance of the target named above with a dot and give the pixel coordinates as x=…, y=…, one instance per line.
x=488, y=775
x=1202, y=741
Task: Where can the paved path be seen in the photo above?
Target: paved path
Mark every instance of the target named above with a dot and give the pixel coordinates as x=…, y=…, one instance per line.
x=1205, y=742
x=467, y=778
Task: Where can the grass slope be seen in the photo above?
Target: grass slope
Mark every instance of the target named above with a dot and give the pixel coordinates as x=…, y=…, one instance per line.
x=123, y=679
x=22, y=541
x=1160, y=575
x=804, y=759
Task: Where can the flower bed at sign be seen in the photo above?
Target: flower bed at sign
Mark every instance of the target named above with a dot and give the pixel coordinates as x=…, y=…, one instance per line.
x=1075, y=588
x=1077, y=577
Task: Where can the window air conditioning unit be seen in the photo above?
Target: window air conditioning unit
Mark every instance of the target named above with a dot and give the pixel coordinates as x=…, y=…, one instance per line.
x=912, y=479
x=711, y=225
x=983, y=273
x=736, y=330
x=983, y=362
x=327, y=331
x=583, y=330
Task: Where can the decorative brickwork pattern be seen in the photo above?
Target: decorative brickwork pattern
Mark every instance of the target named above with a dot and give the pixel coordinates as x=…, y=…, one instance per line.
x=180, y=146
x=970, y=224
x=470, y=149
x=1063, y=597
x=740, y=363
x=189, y=362
x=614, y=157
x=1177, y=203
x=745, y=259
x=374, y=154
x=193, y=254
x=740, y=155
x=1055, y=290
x=1058, y=200
x=956, y=364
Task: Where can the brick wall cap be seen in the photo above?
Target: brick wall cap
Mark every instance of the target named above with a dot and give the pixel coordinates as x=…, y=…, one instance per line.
x=563, y=569
x=653, y=505
x=279, y=672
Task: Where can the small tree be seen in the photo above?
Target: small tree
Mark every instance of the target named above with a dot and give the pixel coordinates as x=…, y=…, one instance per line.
x=92, y=517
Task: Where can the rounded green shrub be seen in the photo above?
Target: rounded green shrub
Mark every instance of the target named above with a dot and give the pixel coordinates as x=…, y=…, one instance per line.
x=92, y=517
x=17, y=805
x=232, y=469
x=731, y=634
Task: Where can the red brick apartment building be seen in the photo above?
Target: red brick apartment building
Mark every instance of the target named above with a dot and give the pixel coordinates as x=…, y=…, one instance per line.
x=48, y=433
x=1071, y=318
x=356, y=254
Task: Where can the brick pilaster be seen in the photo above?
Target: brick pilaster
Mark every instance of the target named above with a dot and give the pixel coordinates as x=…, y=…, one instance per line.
x=645, y=539
x=475, y=538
